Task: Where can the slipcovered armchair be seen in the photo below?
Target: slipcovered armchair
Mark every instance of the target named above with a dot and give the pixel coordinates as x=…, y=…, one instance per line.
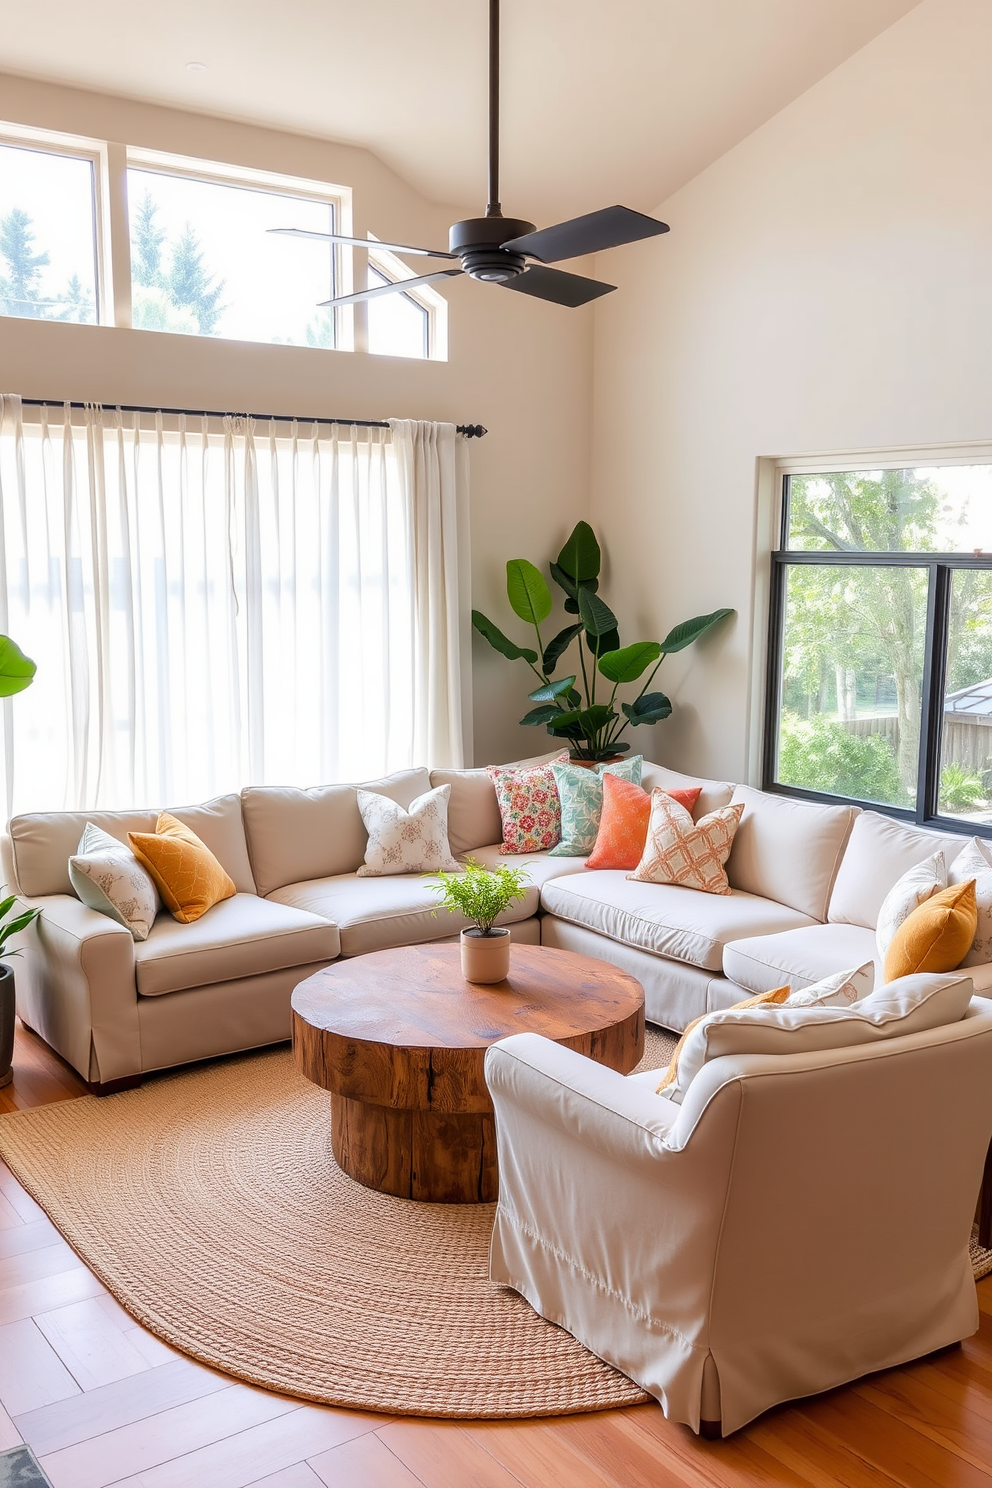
x=800, y=1220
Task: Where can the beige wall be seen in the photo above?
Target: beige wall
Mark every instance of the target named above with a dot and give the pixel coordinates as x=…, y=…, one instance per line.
x=520, y=367
x=826, y=286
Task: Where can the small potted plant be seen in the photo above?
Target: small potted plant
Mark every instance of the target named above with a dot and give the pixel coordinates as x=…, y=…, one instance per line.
x=12, y=919
x=481, y=895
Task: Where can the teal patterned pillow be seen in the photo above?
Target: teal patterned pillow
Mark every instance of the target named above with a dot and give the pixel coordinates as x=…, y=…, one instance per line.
x=581, y=794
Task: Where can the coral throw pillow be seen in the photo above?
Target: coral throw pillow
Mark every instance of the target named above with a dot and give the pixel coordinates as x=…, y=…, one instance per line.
x=937, y=935
x=529, y=807
x=778, y=994
x=186, y=873
x=623, y=824
x=681, y=851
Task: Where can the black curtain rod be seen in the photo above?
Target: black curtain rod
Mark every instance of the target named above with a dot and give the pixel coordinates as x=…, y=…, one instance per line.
x=471, y=431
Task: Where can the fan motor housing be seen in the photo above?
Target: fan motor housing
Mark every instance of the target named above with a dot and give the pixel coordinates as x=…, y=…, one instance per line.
x=478, y=242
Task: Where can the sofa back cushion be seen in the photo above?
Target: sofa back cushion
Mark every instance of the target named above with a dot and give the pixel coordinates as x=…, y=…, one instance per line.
x=295, y=835
x=788, y=850
x=879, y=851
x=43, y=841
x=712, y=793
x=473, y=811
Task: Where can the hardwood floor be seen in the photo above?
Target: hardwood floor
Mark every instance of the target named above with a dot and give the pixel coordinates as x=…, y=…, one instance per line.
x=101, y=1401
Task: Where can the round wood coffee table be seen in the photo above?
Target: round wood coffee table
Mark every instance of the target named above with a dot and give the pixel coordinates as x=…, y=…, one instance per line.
x=399, y=1039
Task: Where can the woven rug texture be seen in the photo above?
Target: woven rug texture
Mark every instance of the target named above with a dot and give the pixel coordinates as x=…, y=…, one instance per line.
x=210, y=1205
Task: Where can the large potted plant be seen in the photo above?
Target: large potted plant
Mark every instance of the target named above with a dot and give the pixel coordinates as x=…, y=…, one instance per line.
x=481, y=895
x=16, y=672
x=568, y=706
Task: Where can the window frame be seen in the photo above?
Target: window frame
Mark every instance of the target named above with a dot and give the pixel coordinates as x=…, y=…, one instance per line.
x=940, y=566
x=79, y=147
x=390, y=267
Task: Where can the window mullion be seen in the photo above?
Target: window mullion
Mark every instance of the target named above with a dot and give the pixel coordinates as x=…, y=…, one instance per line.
x=932, y=691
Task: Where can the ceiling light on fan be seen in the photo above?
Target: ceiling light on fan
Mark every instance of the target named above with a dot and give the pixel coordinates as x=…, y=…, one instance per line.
x=496, y=249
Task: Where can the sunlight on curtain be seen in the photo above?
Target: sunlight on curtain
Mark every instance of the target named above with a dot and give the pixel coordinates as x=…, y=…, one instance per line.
x=213, y=603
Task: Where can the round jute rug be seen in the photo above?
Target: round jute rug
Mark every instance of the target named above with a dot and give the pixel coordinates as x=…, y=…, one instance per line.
x=210, y=1205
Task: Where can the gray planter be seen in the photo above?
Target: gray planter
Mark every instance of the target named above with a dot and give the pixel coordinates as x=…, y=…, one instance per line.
x=6, y=1023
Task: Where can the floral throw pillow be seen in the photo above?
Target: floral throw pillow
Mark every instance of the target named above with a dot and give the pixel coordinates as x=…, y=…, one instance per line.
x=107, y=877
x=414, y=841
x=529, y=807
x=916, y=886
x=681, y=851
x=580, y=793
x=975, y=861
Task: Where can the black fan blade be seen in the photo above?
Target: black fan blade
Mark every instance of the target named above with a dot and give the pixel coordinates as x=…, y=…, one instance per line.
x=592, y=233
x=558, y=287
x=370, y=243
x=398, y=287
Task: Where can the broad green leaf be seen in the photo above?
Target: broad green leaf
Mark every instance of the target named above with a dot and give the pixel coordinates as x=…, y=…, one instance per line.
x=16, y=670
x=574, y=698
x=499, y=641
x=690, y=630
x=580, y=557
x=650, y=707
x=571, y=607
x=528, y=592
x=595, y=718
x=600, y=645
x=551, y=691
x=629, y=663
x=540, y=715
x=597, y=617
x=554, y=650
x=566, y=723
x=563, y=580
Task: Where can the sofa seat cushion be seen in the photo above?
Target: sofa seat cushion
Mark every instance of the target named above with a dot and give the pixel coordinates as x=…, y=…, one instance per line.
x=665, y=919
x=799, y=957
x=375, y=914
x=242, y=936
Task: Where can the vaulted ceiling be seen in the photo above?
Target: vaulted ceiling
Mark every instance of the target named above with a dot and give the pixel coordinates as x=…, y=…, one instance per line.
x=603, y=100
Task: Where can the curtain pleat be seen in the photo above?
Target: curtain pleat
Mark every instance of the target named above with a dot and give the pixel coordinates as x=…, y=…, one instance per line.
x=213, y=603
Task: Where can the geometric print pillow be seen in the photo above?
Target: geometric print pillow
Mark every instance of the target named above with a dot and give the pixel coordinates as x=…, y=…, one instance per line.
x=681, y=851
x=580, y=792
x=529, y=807
x=414, y=841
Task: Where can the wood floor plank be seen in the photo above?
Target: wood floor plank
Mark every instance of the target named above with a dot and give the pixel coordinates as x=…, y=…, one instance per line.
x=239, y=1460
x=365, y=1462
x=18, y=1198
x=445, y=1456
x=135, y=1398
x=24, y=1237
x=35, y=1297
x=31, y=1373
x=820, y=1460
x=539, y=1456
x=892, y=1445
x=934, y=1414
x=145, y=1444
x=736, y=1459
x=93, y=1348
x=9, y=1434
x=300, y=1476
x=8, y=1214
x=152, y=1349
x=33, y=1265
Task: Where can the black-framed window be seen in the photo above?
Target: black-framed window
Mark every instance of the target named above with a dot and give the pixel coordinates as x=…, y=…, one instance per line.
x=880, y=649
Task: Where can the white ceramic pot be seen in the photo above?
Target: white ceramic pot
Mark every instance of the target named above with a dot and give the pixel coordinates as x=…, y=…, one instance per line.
x=485, y=958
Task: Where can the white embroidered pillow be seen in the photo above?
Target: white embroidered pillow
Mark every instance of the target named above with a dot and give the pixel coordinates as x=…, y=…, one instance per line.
x=842, y=989
x=916, y=886
x=975, y=861
x=414, y=841
x=681, y=851
x=108, y=878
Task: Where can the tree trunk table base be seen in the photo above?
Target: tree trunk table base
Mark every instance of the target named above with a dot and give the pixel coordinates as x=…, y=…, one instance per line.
x=399, y=1039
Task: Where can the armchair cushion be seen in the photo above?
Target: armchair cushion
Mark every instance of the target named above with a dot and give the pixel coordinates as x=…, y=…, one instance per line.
x=913, y=1004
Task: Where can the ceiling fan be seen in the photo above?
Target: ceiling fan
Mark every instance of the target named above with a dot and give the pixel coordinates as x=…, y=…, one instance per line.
x=496, y=249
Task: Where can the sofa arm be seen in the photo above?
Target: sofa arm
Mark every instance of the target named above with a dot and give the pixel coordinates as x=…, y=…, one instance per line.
x=75, y=986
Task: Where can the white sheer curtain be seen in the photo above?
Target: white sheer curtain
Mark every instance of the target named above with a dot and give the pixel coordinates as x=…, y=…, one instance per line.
x=214, y=602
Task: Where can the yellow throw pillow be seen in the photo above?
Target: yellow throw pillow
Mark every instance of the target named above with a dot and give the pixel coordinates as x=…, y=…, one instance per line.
x=188, y=876
x=937, y=935
x=671, y=1074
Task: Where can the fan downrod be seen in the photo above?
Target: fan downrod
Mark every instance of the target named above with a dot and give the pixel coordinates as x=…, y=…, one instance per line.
x=478, y=241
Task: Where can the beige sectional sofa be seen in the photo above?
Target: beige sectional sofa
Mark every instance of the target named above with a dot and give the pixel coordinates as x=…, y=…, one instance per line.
x=807, y=884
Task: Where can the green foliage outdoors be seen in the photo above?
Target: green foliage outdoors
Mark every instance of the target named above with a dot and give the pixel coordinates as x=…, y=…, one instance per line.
x=12, y=920
x=481, y=894
x=961, y=789
x=21, y=272
x=820, y=754
x=567, y=706
x=171, y=288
